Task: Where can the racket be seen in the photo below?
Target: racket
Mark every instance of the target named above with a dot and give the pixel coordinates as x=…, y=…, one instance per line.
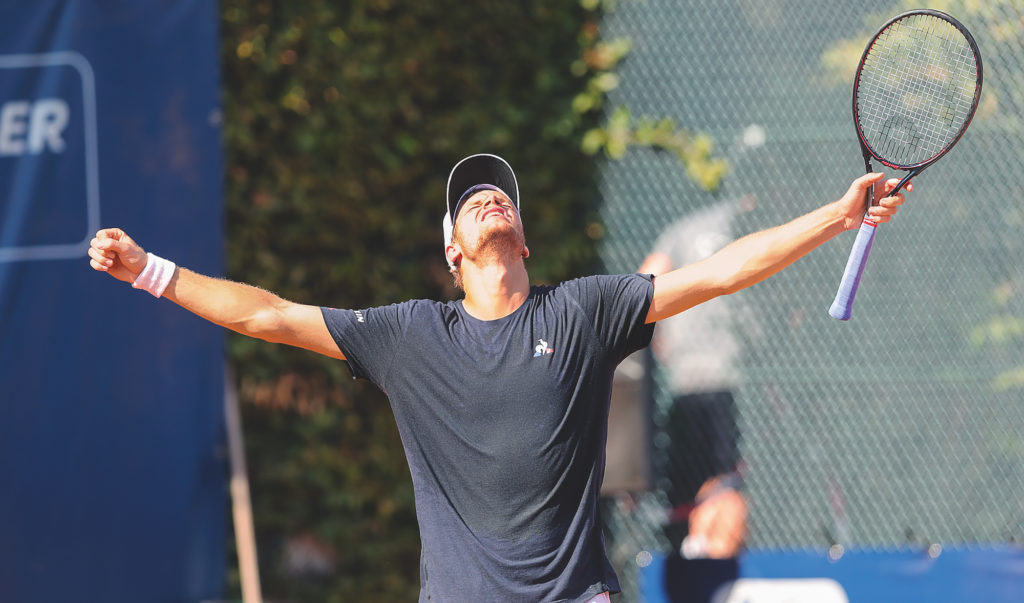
x=916, y=90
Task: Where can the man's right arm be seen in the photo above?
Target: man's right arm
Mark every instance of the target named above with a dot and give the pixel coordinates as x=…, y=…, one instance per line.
x=758, y=256
x=242, y=308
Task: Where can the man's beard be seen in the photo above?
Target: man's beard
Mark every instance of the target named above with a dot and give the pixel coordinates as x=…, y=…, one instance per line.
x=497, y=243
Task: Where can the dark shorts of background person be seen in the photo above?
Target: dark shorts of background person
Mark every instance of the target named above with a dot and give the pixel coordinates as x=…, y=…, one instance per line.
x=705, y=444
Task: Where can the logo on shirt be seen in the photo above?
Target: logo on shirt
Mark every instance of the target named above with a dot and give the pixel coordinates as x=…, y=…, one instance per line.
x=359, y=316
x=542, y=349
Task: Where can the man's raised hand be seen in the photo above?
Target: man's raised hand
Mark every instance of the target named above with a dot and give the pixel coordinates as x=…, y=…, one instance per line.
x=114, y=252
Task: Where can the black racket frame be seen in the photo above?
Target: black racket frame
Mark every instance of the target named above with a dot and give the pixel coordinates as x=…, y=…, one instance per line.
x=916, y=168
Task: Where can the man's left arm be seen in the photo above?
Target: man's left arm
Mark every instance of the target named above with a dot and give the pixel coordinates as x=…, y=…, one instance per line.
x=757, y=256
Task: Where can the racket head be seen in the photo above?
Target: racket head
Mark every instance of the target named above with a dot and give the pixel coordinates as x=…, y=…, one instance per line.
x=917, y=88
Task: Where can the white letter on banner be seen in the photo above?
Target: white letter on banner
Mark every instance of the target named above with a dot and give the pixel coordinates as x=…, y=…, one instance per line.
x=49, y=118
x=12, y=127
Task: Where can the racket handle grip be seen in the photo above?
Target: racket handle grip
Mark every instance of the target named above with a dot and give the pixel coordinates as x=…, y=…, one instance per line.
x=842, y=306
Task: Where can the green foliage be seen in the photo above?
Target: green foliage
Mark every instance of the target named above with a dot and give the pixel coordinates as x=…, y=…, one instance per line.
x=621, y=131
x=342, y=121
x=693, y=151
x=1002, y=333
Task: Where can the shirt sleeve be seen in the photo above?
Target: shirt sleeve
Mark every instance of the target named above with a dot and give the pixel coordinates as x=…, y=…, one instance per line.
x=368, y=338
x=618, y=307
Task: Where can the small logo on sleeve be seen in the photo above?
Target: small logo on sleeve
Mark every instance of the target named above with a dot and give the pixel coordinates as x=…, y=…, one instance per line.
x=542, y=349
x=359, y=316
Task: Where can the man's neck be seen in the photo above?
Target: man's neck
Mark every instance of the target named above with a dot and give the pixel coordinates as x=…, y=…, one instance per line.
x=494, y=290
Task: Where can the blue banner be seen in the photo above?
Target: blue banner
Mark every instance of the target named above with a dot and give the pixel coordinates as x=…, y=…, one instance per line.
x=112, y=463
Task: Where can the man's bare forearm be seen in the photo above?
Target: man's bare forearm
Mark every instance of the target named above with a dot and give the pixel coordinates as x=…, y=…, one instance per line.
x=743, y=263
x=758, y=256
x=242, y=308
x=252, y=311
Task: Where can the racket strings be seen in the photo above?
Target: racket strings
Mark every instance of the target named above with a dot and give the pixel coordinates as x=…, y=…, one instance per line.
x=916, y=89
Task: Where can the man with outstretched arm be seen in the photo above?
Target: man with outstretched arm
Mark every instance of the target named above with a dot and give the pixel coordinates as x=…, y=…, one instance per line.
x=501, y=398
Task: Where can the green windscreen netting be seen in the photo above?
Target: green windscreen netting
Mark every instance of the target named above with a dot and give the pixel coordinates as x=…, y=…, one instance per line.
x=902, y=427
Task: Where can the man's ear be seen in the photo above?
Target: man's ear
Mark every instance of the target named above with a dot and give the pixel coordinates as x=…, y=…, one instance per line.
x=453, y=253
x=526, y=251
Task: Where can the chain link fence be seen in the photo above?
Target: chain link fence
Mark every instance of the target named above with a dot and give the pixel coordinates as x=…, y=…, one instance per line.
x=900, y=428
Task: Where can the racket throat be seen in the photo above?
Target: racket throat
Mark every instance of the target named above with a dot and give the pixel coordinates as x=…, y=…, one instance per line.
x=904, y=181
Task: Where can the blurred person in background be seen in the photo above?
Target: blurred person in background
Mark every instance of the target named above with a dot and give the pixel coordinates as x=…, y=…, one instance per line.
x=699, y=352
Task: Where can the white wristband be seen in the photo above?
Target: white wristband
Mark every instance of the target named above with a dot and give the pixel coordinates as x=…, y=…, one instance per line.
x=155, y=277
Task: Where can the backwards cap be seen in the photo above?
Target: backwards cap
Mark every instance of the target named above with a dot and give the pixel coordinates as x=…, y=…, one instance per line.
x=474, y=170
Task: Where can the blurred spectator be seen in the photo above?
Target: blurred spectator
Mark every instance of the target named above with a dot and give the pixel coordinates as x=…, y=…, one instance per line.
x=699, y=351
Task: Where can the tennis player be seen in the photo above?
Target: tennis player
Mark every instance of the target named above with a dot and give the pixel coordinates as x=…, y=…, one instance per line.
x=501, y=398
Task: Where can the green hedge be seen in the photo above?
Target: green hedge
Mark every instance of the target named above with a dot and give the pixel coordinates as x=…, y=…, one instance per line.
x=342, y=121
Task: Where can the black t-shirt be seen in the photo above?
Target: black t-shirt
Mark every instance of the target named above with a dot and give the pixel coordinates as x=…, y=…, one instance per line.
x=504, y=425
